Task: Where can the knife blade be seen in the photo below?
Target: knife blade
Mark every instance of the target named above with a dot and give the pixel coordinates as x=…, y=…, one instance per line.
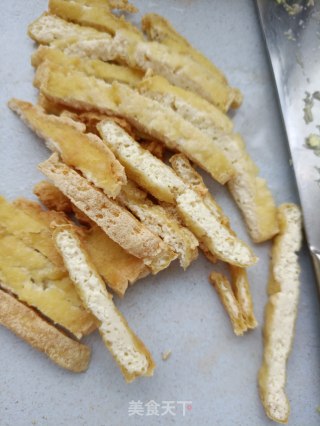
x=293, y=44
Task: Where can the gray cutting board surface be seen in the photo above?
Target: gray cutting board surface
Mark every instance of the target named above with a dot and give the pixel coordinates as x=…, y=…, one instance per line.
x=175, y=310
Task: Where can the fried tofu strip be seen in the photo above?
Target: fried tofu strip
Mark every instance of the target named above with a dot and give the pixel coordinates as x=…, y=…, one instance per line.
x=224, y=290
x=85, y=152
x=183, y=71
x=181, y=165
x=157, y=28
x=32, y=277
x=158, y=178
x=90, y=15
x=241, y=290
x=32, y=232
x=129, y=352
x=217, y=237
x=74, y=89
x=92, y=67
x=48, y=28
x=189, y=105
x=179, y=238
x=41, y=335
x=120, y=225
x=141, y=166
x=176, y=133
x=117, y=267
x=281, y=312
x=252, y=194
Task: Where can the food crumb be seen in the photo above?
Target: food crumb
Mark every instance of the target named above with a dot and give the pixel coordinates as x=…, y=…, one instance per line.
x=166, y=355
x=313, y=141
x=318, y=409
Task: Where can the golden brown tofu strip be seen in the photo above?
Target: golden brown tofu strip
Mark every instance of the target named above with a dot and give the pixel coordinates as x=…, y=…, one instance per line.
x=90, y=15
x=241, y=290
x=85, y=152
x=183, y=71
x=43, y=336
x=189, y=105
x=281, y=313
x=26, y=270
x=157, y=28
x=224, y=290
x=91, y=67
x=74, y=89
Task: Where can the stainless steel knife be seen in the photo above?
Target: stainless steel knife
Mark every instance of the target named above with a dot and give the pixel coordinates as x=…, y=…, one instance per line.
x=293, y=40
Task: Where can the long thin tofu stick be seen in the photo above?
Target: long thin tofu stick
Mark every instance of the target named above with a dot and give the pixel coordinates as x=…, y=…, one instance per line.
x=141, y=166
x=280, y=314
x=43, y=336
x=127, y=349
x=91, y=67
x=217, y=237
x=192, y=107
x=159, y=29
x=90, y=15
x=181, y=165
x=183, y=71
x=224, y=290
x=118, y=223
x=48, y=28
x=74, y=89
x=85, y=152
x=241, y=289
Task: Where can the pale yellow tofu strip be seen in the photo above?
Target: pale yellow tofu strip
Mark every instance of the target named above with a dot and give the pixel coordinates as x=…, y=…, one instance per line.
x=281, y=313
x=224, y=290
x=129, y=352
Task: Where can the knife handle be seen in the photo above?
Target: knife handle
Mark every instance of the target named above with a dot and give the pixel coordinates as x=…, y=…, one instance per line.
x=315, y=254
